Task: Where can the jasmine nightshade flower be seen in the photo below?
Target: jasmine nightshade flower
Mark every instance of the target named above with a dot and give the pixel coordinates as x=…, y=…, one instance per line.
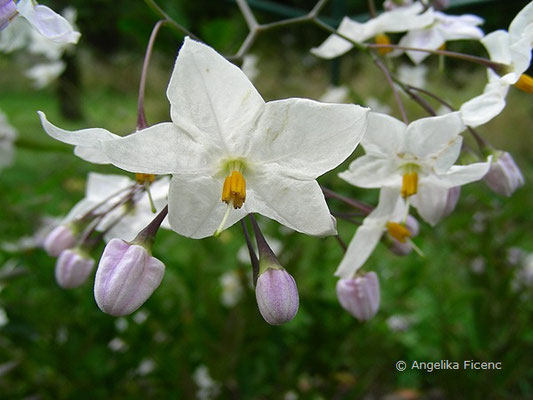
x=398, y=20
x=232, y=154
x=43, y=19
x=44, y=74
x=232, y=289
x=7, y=137
x=107, y=190
x=389, y=217
x=414, y=76
x=443, y=29
x=513, y=49
x=417, y=159
x=277, y=295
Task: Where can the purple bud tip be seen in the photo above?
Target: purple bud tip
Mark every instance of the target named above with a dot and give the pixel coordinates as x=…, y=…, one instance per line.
x=360, y=296
x=277, y=296
x=8, y=10
x=504, y=176
x=61, y=238
x=73, y=268
x=126, y=277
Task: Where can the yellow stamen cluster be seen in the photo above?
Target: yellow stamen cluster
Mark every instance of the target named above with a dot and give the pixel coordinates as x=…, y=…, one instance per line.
x=442, y=47
x=382, y=38
x=525, y=83
x=234, y=189
x=398, y=231
x=409, y=184
x=144, y=178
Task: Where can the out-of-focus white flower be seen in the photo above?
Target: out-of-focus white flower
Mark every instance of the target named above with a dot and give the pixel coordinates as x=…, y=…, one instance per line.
x=101, y=187
x=249, y=66
x=117, y=344
x=47, y=224
x=243, y=255
x=443, y=29
x=220, y=171
x=399, y=323
x=146, y=367
x=335, y=94
x=45, y=73
x=3, y=317
x=121, y=324
x=478, y=265
x=377, y=106
x=8, y=135
x=418, y=159
x=207, y=388
x=513, y=49
x=232, y=289
x=398, y=20
x=140, y=317
x=414, y=76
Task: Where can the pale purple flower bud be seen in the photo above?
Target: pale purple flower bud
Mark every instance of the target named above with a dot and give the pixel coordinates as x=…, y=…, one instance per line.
x=126, y=277
x=60, y=238
x=277, y=296
x=504, y=176
x=393, y=4
x=8, y=10
x=440, y=4
x=360, y=295
x=73, y=268
x=451, y=200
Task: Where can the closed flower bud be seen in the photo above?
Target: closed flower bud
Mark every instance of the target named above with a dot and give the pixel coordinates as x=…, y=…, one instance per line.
x=504, y=176
x=73, y=268
x=126, y=277
x=277, y=296
x=451, y=200
x=360, y=295
x=61, y=238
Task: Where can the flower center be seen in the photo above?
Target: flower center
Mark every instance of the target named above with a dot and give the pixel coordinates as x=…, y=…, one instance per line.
x=525, y=83
x=398, y=231
x=234, y=189
x=410, y=180
x=382, y=38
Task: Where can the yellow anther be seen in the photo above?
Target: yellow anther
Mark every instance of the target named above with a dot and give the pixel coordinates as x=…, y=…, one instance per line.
x=442, y=46
x=143, y=178
x=382, y=38
x=234, y=189
x=398, y=231
x=525, y=83
x=409, y=184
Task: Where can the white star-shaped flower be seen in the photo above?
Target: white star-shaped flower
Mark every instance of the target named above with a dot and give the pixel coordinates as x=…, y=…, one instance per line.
x=231, y=154
x=513, y=49
x=443, y=29
x=398, y=20
x=387, y=216
x=417, y=158
x=103, y=192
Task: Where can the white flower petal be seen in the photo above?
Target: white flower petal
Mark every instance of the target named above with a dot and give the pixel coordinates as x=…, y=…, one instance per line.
x=447, y=157
x=90, y=138
x=368, y=235
x=456, y=27
x=159, y=149
x=48, y=22
x=430, y=135
x=212, y=99
x=297, y=204
x=369, y=171
x=497, y=44
x=195, y=208
x=462, y=174
x=308, y=138
x=483, y=108
x=522, y=20
x=385, y=135
x=335, y=45
x=430, y=201
x=430, y=38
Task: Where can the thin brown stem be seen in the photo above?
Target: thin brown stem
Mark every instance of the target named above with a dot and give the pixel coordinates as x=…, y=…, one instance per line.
x=388, y=76
x=158, y=10
x=351, y=202
x=372, y=8
x=341, y=243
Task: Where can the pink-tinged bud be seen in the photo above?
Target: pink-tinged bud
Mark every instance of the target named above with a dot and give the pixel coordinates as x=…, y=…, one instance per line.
x=440, y=4
x=61, y=238
x=360, y=295
x=504, y=176
x=277, y=296
x=451, y=200
x=8, y=11
x=73, y=268
x=126, y=277
x=402, y=249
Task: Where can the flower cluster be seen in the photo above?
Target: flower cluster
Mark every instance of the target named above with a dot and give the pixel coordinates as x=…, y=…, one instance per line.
x=230, y=154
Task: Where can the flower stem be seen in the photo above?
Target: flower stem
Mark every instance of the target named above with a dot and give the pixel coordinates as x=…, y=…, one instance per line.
x=351, y=202
x=158, y=10
x=388, y=76
x=253, y=257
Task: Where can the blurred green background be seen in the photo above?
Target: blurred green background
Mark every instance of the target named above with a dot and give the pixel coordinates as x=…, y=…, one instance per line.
x=469, y=298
